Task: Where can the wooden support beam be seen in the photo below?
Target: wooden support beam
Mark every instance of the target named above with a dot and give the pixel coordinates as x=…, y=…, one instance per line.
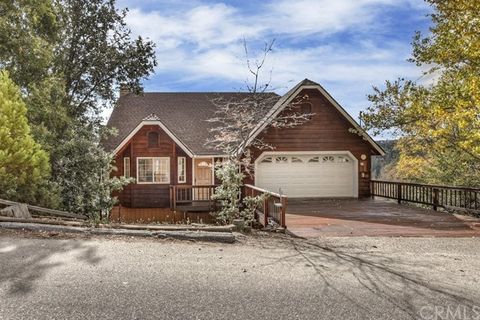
x=45, y=211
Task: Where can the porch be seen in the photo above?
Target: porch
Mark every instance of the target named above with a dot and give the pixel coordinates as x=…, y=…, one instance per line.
x=198, y=198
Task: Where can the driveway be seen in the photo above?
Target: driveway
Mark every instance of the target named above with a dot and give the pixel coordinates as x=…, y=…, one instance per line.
x=312, y=218
x=263, y=277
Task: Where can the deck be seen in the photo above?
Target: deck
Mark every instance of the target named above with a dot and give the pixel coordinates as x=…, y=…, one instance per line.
x=312, y=218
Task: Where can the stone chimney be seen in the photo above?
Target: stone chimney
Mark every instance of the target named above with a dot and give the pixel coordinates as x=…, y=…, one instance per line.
x=124, y=90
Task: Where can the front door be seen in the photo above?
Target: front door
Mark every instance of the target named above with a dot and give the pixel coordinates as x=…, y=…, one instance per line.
x=203, y=177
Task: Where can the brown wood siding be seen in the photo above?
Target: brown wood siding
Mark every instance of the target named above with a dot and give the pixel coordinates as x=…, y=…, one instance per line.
x=150, y=195
x=328, y=130
x=159, y=215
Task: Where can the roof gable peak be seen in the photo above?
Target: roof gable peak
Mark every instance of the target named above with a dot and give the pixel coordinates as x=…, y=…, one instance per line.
x=151, y=116
x=308, y=82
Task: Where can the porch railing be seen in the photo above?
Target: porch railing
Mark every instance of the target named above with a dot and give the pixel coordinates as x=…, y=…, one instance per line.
x=435, y=195
x=274, y=206
x=188, y=194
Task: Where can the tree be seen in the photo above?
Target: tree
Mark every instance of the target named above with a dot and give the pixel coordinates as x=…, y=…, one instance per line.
x=27, y=36
x=84, y=177
x=438, y=124
x=96, y=53
x=236, y=117
x=234, y=122
x=69, y=57
x=24, y=167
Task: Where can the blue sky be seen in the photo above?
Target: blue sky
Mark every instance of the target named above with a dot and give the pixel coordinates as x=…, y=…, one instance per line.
x=346, y=45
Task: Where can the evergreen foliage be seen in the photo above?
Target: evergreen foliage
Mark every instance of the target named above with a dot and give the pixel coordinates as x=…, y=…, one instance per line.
x=69, y=58
x=24, y=166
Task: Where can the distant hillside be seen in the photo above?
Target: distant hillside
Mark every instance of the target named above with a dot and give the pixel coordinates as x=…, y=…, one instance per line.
x=391, y=156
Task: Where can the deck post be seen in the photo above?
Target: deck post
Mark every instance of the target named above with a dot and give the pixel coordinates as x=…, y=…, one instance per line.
x=399, y=193
x=265, y=212
x=174, y=198
x=283, y=211
x=435, y=199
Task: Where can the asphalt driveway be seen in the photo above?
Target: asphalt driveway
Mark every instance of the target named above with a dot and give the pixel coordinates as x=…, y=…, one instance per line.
x=313, y=218
x=259, y=278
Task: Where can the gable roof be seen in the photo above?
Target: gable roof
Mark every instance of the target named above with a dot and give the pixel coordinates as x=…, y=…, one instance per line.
x=183, y=115
x=292, y=93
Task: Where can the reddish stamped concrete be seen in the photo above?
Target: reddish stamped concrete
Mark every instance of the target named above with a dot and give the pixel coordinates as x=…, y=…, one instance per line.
x=312, y=218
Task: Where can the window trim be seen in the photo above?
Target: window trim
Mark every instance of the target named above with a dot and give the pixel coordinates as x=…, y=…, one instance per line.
x=184, y=167
x=126, y=160
x=153, y=173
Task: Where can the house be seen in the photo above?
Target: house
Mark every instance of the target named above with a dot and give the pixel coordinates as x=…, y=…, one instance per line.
x=161, y=142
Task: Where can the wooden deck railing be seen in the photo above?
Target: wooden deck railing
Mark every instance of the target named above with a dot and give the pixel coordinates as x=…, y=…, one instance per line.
x=434, y=195
x=188, y=194
x=274, y=206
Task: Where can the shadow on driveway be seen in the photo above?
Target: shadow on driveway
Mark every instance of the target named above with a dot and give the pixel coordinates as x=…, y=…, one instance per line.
x=25, y=263
x=416, y=285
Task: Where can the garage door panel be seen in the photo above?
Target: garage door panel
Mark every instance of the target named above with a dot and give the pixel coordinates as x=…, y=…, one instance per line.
x=331, y=175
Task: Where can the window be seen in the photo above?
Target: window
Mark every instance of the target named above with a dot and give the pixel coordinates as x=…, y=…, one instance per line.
x=267, y=160
x=126, y=167
x=152, y=139
x=342, y=159
x=306, y=108
x=153, y=170
x=328, y=159
x=296, y=160
x=281, y=159
x=181, y=165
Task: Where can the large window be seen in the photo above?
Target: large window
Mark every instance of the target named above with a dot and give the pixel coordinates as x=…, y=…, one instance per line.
x=126, y=167
x=182, y=176
x=153, y=170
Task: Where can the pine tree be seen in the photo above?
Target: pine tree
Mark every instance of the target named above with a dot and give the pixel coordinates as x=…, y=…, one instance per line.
x=24, y=166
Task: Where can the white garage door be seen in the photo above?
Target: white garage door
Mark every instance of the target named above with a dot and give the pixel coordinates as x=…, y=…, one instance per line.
x=309, y=175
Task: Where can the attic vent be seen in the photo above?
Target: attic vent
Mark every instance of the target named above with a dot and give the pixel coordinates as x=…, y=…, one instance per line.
x=152, y=139
x=152, y=116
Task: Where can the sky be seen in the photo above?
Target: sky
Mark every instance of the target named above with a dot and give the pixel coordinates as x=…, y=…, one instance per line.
x=347, y=46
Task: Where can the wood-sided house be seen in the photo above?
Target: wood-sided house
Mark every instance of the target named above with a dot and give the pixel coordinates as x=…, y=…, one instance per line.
x=162, y=138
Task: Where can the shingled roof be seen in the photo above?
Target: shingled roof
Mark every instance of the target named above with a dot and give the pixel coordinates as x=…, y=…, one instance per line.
x=184, y=114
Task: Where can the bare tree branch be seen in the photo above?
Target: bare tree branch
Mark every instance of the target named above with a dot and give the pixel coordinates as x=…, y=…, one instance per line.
x=237, y=117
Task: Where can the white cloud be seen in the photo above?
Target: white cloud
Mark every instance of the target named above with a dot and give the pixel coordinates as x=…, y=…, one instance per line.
x=202, y=41
x=322, y=16
x=203, y=26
